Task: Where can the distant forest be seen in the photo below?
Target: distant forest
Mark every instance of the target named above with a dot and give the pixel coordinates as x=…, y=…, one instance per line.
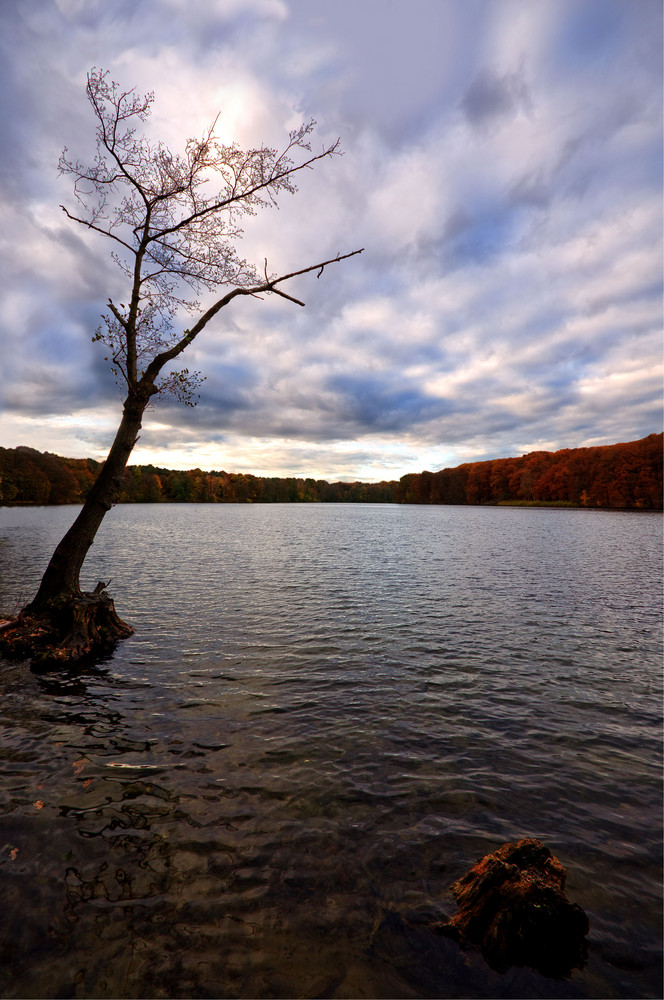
x=619, y=476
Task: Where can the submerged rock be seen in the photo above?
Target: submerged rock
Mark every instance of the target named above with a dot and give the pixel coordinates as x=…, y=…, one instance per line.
x=512, y=905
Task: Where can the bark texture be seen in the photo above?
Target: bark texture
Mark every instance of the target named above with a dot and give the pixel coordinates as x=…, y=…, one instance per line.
x=61, y=579
x=72, y=629
x=512, y=905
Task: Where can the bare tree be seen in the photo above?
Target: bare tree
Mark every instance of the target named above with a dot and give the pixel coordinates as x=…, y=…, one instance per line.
x=174, y=223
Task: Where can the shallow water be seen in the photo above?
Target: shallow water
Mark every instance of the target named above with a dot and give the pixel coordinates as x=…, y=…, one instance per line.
x=326, y=715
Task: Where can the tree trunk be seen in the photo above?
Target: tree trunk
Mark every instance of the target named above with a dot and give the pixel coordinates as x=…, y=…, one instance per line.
x=61, y=578
x=62, y=624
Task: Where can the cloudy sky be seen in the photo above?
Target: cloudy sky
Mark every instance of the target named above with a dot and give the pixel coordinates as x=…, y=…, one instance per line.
x=502, y=169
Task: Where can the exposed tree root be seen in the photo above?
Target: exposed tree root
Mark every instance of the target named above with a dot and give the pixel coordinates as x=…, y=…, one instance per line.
x=69, y=630
x=512, y=904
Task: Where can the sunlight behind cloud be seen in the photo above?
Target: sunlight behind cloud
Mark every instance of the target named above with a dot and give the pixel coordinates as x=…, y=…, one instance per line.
x=508, y=198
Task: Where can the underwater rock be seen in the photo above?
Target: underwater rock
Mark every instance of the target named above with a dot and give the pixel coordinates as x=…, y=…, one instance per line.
x=512, y=905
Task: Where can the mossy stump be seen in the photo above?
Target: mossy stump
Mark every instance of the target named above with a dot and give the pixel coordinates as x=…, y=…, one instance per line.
x=69, y=630
x=512, y=905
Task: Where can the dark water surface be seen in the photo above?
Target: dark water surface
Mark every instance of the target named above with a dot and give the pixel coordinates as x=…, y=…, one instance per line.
x=326, y=715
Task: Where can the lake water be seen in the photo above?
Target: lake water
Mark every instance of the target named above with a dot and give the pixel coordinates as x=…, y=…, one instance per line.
x=326, y=715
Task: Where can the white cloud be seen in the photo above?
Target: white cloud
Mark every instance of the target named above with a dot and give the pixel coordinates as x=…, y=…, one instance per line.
x=508, y=197
x=406, y=204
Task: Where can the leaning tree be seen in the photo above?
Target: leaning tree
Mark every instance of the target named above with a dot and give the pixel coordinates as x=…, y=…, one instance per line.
x=173, y=222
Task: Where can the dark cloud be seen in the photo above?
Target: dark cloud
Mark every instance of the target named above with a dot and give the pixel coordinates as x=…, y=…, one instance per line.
x=373, y=403
x=490, y=96
x=534, y=189
x=227, y=390
x=502, y=169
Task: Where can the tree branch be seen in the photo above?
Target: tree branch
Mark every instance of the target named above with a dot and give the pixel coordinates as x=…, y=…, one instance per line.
x=246, y=194
x=97, y=229
x=118, y=315
x=158, y=362
x=278, y=291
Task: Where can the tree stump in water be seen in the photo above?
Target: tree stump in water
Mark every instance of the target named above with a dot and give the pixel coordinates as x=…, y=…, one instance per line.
x=512, y=905
x=68, y=630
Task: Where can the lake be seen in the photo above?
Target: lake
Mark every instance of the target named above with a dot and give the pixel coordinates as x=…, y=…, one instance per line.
x=327, y=714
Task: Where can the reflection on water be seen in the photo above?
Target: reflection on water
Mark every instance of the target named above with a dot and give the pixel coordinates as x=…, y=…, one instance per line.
x=325, y=716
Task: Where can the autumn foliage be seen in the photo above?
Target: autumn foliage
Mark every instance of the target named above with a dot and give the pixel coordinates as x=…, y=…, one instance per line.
x=28, y=476
x=619, y=476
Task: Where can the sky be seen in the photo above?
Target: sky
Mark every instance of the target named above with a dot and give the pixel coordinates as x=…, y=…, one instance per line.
x=501, y=169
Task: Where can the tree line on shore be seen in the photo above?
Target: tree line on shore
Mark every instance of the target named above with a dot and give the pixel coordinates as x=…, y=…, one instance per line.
x=619, y=476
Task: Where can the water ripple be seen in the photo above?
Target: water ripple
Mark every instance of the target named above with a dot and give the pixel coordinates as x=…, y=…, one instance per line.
x=324, y=718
